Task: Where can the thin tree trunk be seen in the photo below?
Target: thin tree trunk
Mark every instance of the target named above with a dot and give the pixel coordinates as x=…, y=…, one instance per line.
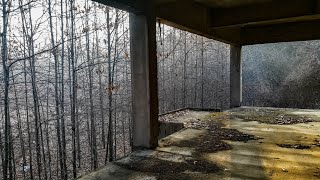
x=25, y=42
x=101, y=97
x=2, y=149
x=18, y=116
x=47, y=123
x=202, y=72
x=62, y=117
x=110, y=129
x=42, y=146
x=94, y=153
x=114, y=73
x=34, y=94
x=196, y=83
x=61, y=148
x=73, y=92
x=174, y=71
x=7, y=124
x=185, y=70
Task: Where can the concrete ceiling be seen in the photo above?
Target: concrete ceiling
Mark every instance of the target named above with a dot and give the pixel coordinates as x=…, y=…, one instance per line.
x=239, y=22
x=220, y=3
x=229, y=3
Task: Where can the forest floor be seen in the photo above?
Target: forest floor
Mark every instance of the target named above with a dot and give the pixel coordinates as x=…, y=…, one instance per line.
x=242, y=143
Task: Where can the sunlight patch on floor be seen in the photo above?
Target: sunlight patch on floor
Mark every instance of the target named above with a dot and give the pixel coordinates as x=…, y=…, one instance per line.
x=264, y=159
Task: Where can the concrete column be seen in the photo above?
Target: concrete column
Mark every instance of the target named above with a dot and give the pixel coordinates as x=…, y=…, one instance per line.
x=144, y=79
x=235, y=77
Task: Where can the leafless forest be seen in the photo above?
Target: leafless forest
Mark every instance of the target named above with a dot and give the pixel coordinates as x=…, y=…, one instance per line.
x=282, y=75
x=193, y=71
x=65, y=88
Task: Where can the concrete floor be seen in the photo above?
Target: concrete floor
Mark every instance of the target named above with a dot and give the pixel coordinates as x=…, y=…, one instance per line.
x=258, y=158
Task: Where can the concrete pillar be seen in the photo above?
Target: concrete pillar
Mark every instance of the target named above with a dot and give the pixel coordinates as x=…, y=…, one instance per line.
x=235, y=76
x=144, y=78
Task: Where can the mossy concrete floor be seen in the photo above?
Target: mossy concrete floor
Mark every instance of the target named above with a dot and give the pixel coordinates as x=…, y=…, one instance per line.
x=242, y=143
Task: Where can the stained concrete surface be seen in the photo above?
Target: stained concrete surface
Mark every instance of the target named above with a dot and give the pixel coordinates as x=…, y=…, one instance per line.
x=257, y=158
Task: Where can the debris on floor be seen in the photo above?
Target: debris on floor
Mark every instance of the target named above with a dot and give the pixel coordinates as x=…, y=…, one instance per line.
x=294, y=146
x=270, y=115
x=212, y=140
x=317, y=142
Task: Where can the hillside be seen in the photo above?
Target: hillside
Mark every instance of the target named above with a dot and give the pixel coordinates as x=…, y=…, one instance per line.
x=282, y=75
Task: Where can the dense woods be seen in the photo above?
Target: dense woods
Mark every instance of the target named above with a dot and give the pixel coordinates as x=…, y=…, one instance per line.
x=65, y=88
x=193, y=71
x=282, y=75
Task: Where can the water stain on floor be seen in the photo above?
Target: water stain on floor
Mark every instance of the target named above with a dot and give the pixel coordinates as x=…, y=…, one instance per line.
x=264, y=158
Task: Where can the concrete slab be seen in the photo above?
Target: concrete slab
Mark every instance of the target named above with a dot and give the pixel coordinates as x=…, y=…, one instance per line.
x=243, y=143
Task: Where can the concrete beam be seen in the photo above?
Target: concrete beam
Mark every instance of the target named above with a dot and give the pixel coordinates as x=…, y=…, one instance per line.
x=127, y=5
x=185, y=15
x=280, y=30
x=269, y=10
x=235, y=77
x=284, y=32
x=189, y=16
x=144, y=78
